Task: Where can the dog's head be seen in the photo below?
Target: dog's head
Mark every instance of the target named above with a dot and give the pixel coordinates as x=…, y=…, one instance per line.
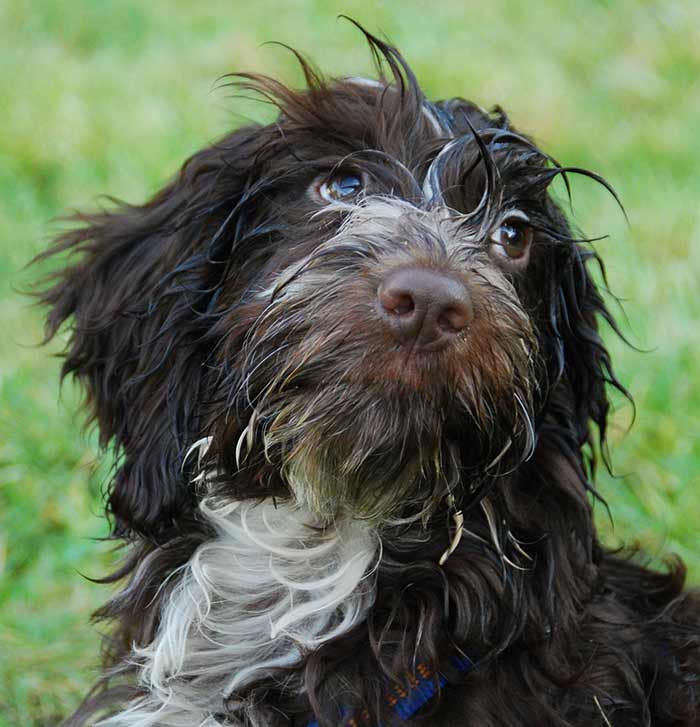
x=369, y=304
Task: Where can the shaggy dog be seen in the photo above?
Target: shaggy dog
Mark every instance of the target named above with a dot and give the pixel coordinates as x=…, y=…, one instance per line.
x=350, y=368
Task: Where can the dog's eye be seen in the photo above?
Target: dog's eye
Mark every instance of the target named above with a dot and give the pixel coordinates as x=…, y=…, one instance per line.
x=512, y=239
x=341, y=187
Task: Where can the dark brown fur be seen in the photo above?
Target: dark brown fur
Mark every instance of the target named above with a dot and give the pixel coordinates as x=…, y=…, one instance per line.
x=167, y=338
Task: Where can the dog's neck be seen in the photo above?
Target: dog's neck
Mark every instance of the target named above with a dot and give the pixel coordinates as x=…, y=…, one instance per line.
x=277, y=592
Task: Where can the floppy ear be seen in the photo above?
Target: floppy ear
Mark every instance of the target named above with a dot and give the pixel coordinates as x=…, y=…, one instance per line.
x=139, y=285
x=581, y=362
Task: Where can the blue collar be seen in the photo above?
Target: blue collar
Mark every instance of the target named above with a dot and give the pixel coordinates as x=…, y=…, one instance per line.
x=423, y=687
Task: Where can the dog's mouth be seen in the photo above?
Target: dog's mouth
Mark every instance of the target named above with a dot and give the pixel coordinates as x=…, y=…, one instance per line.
x=385, y=460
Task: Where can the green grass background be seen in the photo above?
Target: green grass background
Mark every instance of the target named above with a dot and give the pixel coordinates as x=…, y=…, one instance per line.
x=109, y=97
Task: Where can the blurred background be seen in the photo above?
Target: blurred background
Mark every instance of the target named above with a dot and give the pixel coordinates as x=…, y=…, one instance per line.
x=110, y=97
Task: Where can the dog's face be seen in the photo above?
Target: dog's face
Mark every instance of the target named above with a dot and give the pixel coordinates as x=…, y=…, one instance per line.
x=386, y=342
x=370, y=304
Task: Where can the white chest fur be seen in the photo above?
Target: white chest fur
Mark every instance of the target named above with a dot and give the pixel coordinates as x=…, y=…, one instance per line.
x=270, y=586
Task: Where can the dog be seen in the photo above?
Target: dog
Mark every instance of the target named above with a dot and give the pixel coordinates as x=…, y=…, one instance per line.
x=350, y=368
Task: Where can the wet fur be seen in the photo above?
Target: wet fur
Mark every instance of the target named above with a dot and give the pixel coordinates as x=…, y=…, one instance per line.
x=230, y=313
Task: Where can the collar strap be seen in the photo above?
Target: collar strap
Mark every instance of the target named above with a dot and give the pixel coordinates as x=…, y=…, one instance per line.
x=406, y=702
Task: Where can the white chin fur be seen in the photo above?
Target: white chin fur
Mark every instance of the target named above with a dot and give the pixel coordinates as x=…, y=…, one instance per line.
x=272, y=585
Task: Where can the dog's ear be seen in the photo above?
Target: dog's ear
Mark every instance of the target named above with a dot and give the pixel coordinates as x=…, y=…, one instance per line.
x=580, y=362
x=138, y=287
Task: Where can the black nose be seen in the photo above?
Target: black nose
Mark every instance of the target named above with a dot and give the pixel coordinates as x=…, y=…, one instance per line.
x=424, y=307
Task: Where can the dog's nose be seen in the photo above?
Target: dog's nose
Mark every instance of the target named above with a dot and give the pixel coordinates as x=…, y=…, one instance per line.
x=424, y=307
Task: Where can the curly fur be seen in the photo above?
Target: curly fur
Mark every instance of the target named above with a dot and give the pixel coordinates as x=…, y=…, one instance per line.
x=292, y=570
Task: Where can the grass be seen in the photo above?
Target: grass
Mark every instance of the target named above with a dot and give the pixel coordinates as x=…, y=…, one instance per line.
x=110, y=97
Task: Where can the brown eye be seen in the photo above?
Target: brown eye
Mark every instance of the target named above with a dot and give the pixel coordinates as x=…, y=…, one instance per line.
x=512, y=239
x=341, y=187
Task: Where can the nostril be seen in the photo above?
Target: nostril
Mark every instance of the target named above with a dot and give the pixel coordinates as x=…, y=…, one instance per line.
x=404, y=304
x=454, y=319
x=398, y=303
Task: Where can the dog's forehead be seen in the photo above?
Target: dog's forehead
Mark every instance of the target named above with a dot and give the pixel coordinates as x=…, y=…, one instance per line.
x=356, y=113
x=438, y=120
